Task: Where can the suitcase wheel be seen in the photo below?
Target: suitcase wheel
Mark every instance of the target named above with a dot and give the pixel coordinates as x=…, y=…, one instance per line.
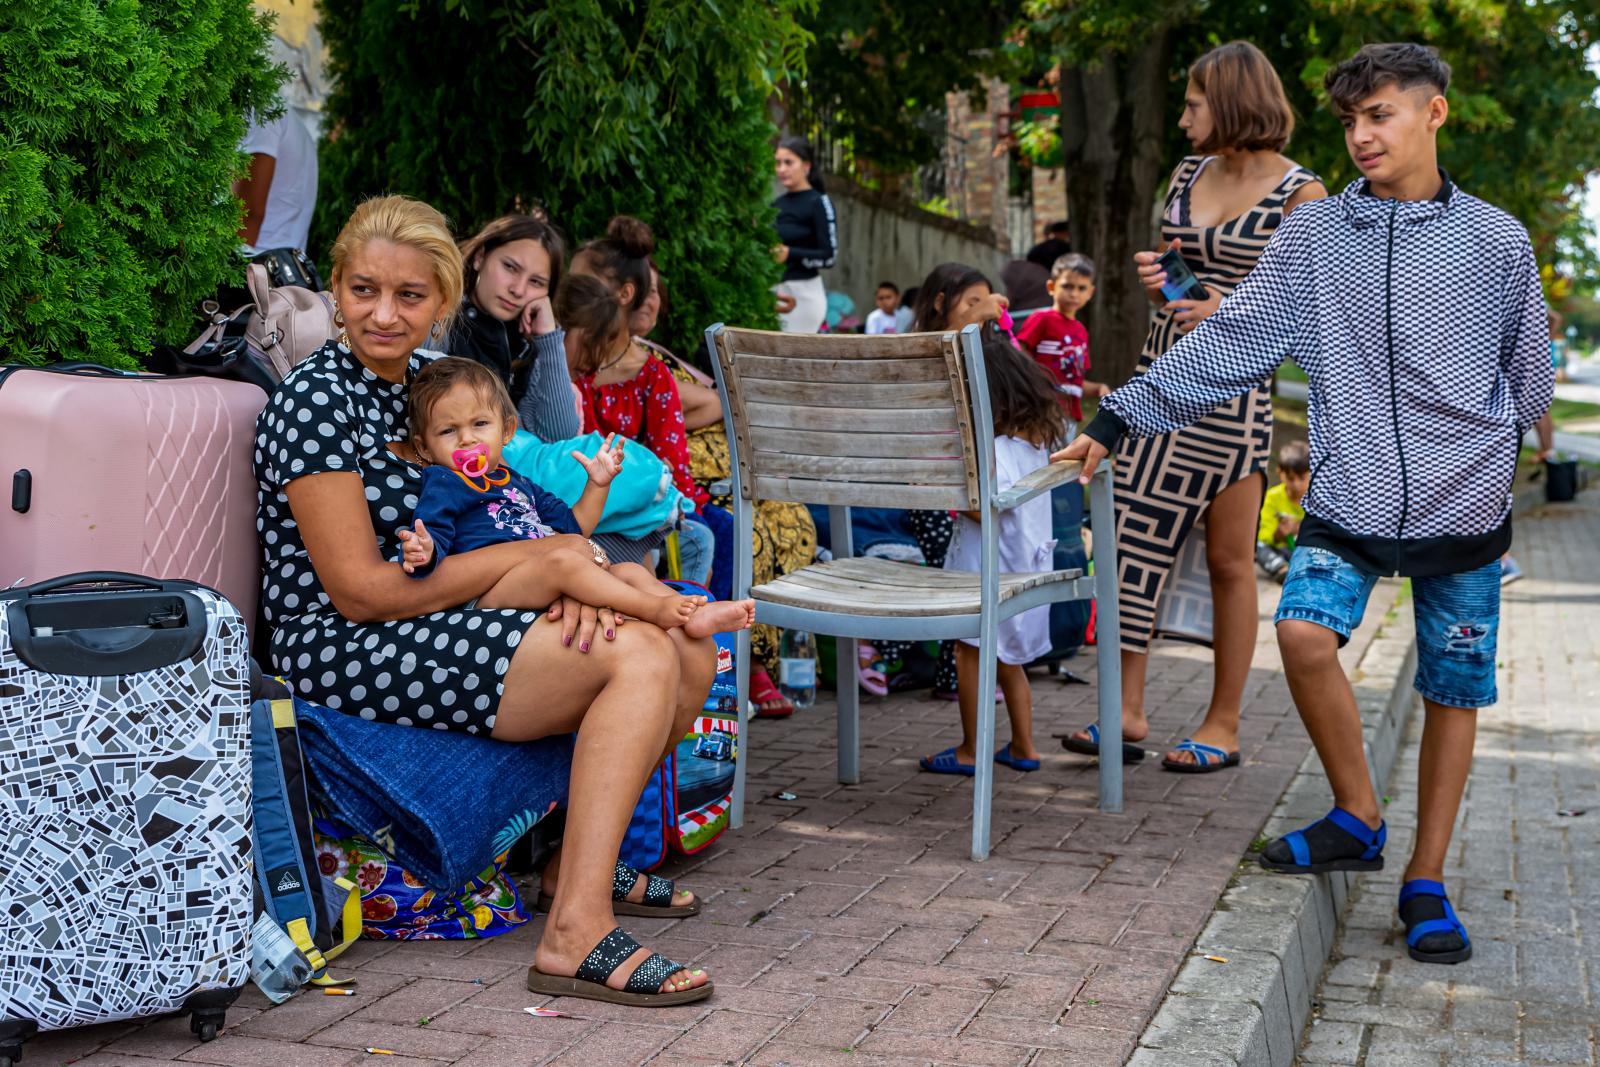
x=205, y=1025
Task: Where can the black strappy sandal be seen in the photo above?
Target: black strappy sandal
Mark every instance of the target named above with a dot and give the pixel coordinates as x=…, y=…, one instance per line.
x=644, y=984
x=658, y=894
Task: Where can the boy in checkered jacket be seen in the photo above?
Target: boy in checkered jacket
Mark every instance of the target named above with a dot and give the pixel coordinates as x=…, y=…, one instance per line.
x=1415, y=310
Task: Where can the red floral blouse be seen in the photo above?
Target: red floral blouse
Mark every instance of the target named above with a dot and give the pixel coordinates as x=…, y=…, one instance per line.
x=645, y=408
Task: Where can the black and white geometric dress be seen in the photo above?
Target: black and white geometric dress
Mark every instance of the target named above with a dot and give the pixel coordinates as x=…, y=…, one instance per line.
x=445, y=670
x=1164, y=484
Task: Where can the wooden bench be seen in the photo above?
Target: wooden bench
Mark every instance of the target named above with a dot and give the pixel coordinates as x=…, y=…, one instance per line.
x=895, y=422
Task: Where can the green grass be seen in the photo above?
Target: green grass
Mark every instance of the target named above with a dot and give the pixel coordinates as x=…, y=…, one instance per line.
x=1565, y=411
x=1291, y=370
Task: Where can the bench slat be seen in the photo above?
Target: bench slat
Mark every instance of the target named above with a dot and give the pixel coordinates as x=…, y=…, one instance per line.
x=842, y=371
x=845, y=346
x=891, y=472
x=856, y=420
x=946, y=445
x=808, y=491
x=923, y=395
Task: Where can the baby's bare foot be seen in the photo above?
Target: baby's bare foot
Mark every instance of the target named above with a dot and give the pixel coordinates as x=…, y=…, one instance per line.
x=674, y=611
x=721, y=617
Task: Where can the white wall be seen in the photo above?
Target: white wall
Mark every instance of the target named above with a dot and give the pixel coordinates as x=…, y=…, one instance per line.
x=884, y=240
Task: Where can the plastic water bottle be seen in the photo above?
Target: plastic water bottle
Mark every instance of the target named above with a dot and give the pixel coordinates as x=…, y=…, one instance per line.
x=797, y=668
x=277, y=966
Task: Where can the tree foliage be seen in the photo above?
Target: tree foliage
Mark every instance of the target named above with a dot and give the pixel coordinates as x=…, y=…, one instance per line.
x=587, y=108
x=877, y=73
x=120, y=122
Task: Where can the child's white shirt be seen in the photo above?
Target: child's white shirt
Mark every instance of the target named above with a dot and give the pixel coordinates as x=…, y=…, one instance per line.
x=1026, y=546
x=880, y=322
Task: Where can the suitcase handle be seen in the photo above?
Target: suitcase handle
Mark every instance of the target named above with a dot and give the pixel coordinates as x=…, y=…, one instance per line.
x=140, y=625
x=122, y=578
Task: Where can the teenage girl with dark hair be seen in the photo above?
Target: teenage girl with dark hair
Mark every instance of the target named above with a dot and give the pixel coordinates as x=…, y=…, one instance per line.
x=809, y=235
x=952, y=297
x=1027, y=422
x=511, y=268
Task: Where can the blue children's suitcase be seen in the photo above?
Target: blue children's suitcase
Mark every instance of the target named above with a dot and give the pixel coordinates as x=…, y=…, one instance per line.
x=125, y=880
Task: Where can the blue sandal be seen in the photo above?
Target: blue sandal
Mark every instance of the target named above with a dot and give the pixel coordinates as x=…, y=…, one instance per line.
x=1292, y=853
x=946, y=763
x=1207, y=758
x=1131, y=753
x=1017, y=763
x=1436, y=931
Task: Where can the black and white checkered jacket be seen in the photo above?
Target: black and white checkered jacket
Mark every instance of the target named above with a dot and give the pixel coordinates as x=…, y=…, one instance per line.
x=1422, y=329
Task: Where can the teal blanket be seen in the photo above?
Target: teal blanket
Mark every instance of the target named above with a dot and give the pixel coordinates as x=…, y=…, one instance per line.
x=642, y=500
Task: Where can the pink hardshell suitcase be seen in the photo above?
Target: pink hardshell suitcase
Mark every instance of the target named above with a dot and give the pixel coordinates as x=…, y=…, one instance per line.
x=113, y=471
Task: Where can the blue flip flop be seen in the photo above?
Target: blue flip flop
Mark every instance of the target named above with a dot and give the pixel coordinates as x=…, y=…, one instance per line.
x=1131, y=753
x=1015, y=762
x=946, y=763
x=1207, y=758
x=1415, y=932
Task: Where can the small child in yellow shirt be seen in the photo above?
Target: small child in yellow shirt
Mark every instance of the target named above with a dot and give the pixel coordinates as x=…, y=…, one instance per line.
x=1281, y=511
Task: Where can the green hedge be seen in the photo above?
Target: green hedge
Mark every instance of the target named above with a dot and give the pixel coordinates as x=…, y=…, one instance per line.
x=588, y=108
x=119, y=129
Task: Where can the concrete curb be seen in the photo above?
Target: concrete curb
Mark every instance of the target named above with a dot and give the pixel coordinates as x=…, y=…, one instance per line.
x=1277, y=931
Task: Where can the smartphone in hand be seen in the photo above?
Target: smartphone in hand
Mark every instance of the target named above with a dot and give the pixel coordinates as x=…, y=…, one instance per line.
x=1181, y=284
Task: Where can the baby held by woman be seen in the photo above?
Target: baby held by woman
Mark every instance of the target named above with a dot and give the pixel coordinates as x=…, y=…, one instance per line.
x=461, y=420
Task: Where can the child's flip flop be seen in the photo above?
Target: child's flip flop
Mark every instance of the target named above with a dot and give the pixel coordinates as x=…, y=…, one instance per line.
x=946, y=763
x=1017, y=763
x=1131, y=753
x=1208, y=759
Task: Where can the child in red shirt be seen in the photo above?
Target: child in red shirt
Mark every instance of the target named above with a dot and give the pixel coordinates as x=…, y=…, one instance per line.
x=1057, y=340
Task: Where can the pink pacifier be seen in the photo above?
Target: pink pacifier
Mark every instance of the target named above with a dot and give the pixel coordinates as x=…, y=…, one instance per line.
x=473, y=462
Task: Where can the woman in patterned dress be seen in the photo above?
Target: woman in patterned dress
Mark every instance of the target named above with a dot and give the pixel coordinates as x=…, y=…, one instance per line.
x=337, y=479
x=1222, y=207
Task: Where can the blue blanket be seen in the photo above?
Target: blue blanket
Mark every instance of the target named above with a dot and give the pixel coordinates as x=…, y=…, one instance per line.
x=441, y=802
x=642, y=500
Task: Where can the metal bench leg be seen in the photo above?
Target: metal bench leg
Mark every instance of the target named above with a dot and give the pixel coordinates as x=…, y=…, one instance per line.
x=849, y=713
x=983, y=760
x=1108, y=650
x=741, y=676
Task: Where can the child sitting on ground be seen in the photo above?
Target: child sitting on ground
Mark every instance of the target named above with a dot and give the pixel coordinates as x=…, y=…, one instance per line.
x=1058, y=342
x=461, y=420
x=1026, y=421
x=1281, y=511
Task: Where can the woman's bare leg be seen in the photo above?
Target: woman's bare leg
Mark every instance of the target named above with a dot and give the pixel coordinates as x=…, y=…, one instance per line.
x=697, y=666
x=535, y=584
x=620, y=699
x=1231, y=523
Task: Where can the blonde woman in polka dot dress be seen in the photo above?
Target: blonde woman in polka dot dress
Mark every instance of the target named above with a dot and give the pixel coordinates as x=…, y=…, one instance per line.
x=337, y=480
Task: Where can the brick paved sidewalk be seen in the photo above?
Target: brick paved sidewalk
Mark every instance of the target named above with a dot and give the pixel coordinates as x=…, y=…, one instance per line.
x=1525, y=879
x=848, y=926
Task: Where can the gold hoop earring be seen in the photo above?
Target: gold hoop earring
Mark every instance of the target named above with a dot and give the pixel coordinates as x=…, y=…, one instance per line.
x=338, y=322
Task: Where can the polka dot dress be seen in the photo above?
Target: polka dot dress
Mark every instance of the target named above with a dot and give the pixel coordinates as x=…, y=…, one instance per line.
x=445, y=670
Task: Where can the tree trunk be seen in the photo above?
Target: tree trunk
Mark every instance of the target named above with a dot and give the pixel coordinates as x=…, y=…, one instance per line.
x=1113, y=124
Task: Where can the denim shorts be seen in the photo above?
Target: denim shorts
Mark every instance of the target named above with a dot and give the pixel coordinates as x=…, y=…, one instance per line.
x=1458, y=616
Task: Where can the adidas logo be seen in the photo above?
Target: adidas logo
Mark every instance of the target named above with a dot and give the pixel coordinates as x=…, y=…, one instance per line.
x=287, y=882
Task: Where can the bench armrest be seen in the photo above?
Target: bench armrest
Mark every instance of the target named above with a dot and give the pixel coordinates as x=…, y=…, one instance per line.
x=1039, y=481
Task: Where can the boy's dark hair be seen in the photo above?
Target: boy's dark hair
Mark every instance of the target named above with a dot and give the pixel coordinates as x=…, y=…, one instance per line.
x=1249, y=110
x=1402, y=64
x=1295, y=456
x=588, y=306
x=504, y=230
x=620, y=257
x=891, y=286
x=436, y=379
x=1073, y=263
x=948, y=280
x=1061, y=226
x=1021, y=395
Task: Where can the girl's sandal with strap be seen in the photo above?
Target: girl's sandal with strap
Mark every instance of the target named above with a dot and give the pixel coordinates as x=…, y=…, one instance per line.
x=1433, y=933
x=1208, y=759
x=1336, y=842
x=643, y=989
x=658, y=894
x=769, y=699
x=1131, y=753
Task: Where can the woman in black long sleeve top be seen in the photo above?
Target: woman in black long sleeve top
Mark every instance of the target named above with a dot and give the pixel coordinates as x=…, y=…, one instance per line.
x=809, y=236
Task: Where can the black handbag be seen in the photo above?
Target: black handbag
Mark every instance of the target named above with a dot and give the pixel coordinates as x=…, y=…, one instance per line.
x=1560, y=480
